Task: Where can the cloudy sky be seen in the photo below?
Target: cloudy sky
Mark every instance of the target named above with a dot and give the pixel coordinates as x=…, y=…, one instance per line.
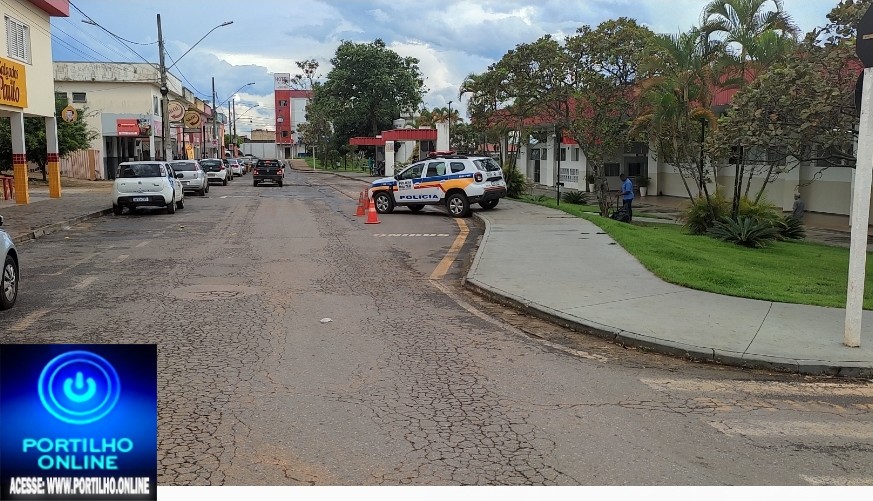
x=451, y=38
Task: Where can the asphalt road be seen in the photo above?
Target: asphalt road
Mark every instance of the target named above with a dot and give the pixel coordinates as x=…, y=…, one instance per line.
x=413, y=381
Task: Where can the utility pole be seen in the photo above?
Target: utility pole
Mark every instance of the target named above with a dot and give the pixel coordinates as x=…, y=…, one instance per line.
x=227, y=132
x=165, y=115
x=214, y=122
x=235, y=142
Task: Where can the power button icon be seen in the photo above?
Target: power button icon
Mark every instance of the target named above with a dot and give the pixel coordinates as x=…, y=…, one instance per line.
x=79, y=387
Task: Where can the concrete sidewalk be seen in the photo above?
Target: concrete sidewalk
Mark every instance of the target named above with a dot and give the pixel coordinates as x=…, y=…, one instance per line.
x=568, y=270
x=44, y=215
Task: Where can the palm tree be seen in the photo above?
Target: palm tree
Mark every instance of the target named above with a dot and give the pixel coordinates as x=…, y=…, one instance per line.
x=754, y=34
x=676, y=101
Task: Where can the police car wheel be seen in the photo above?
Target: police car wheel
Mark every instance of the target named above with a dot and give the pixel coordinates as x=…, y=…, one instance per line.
x=458, y=205
x=416, y=207
x=489, y=204
x=383, y=202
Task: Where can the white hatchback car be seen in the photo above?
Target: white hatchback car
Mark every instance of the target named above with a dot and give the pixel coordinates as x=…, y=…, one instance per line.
x=146, y=184
x=236, y=167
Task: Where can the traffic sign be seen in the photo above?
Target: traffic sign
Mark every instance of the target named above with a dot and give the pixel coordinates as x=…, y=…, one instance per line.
x=864, y=42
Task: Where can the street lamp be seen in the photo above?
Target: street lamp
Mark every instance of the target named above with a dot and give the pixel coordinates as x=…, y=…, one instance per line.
x=450, y=126
x=234, y=93
x=236, y=117
x=165, y=118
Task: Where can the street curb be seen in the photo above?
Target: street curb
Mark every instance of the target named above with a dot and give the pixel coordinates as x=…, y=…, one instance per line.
x=666, y=347
x=51, y=228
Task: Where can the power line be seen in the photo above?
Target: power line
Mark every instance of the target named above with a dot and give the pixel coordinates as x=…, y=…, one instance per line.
x=95, y=23
x=183, y=75
x=107, y=31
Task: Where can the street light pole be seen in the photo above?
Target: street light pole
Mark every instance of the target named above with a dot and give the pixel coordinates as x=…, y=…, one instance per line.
x=214, y=118
x=165, y=115
x=235, y=142
x=450, y=126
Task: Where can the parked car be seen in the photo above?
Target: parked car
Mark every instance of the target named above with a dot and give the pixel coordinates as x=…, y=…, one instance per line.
x=268, y=170
x=191, y=176
x=227, y=166
x=235, y=167
x=9, y=277
x=456, y=181
x=146, y=184
x=215, y=170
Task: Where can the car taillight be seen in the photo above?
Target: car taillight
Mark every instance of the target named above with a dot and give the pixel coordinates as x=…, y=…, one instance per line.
x=281, y=172
x=478, y=177
x=255, y=172
x=221, y=168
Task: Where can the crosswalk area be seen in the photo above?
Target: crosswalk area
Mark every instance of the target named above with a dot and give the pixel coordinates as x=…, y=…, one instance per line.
x=832, y=419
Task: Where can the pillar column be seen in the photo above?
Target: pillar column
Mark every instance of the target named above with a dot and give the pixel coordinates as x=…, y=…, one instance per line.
x=19, y=159
x=389, y=158
x=53, y=167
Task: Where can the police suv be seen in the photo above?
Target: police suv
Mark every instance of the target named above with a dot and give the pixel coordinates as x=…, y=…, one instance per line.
x=458, y=181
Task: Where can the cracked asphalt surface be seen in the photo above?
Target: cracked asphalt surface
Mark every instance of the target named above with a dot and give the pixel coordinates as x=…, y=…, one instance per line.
x=413, y=380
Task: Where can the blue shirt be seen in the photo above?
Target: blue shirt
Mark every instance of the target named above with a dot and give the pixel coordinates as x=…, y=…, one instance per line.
x=627, y=187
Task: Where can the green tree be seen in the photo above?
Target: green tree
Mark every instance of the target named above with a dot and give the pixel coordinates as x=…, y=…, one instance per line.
x=801, y=109
x=676, y=104
x=308, y=75
x=72, y=136
x=368, y=87
x=754, y=36
x=605, y=64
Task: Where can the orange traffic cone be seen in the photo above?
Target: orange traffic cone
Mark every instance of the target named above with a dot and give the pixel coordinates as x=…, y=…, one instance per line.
x=361, y=205
x=372, y=218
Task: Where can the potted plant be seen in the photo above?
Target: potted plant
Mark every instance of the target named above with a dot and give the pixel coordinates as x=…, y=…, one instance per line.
x=643, y=184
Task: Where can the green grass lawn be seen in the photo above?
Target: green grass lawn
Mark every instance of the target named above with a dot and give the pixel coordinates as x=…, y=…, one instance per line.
x=320, y=165
x=789, y=272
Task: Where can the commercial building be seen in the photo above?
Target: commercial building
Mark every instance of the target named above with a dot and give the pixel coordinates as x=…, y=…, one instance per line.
x=27, y=90
x=290, y=113
x=122, y=102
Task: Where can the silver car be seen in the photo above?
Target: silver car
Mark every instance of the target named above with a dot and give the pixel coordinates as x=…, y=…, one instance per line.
x=9, y=271
x=192, y=176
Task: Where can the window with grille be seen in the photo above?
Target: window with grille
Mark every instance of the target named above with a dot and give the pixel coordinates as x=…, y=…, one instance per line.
x=62, y=97
x=79, y=97
x=17, y=40
x=612, y=169
x=569, y=175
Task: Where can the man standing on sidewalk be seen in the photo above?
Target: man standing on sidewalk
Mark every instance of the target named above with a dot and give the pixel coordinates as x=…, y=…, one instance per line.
x=627, y=195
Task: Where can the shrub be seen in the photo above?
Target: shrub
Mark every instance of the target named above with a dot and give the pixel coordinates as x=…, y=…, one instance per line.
x=746, y=231
x=702, y=215
x=516, y=184
x=540, y=198
x=576, y=197
x=762, y=211
x=790, y=228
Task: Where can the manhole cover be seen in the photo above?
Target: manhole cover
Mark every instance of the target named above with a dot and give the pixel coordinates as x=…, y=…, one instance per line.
x=213, y=292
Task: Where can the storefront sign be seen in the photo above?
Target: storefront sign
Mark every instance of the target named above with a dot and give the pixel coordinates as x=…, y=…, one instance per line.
x=69, y=114
x=192, y=119
x=13, y=84
x=176, y=111
x=138, y=127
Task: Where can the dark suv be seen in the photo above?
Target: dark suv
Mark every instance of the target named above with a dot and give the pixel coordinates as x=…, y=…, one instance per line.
x=268, y=170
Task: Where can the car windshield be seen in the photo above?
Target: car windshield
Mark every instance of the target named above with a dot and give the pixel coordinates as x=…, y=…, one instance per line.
x=268, y=163
x=486, y=164
x=211, y=165
x=139, y=170
x=184, y=166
